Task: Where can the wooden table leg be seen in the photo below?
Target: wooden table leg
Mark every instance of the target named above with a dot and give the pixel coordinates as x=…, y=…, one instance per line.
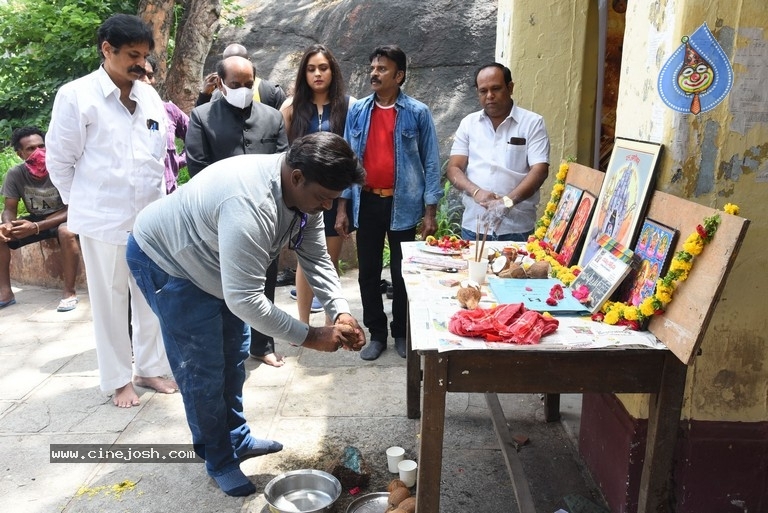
x=412, y=377
x=432, y=432
x=551, y=407
x=663, y=425
x=509, y=451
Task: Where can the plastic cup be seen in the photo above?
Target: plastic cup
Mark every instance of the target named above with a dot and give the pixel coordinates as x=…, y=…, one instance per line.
x=394, y=456
x=407, y=470
x=477, y=270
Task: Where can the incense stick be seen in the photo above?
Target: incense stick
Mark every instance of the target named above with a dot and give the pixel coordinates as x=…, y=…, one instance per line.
x=477, y=239
x=485, y=236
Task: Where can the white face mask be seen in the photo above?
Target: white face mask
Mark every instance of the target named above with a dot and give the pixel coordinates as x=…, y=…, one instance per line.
x=240, y=97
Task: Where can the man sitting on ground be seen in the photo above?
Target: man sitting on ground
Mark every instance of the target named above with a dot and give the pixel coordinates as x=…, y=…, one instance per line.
x=29, y=181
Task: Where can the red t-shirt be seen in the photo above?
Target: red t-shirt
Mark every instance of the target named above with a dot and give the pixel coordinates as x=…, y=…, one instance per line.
x=379, y=158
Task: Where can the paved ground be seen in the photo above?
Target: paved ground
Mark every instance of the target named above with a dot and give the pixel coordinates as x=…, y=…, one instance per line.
x=316, y=405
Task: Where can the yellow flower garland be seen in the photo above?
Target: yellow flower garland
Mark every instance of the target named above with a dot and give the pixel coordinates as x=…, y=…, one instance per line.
x=614, y=312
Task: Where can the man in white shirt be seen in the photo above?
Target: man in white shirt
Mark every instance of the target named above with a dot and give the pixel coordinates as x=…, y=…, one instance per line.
x=106, y=149
x=499, y=159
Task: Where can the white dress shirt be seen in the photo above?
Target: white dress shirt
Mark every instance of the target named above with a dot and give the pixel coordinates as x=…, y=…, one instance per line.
x=107, y=163
x=498, y=160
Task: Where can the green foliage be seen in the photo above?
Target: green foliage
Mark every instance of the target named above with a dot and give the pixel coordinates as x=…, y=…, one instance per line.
x=231, y=13
x=44, y=45
x=386, y=256
x=448, y=215
x=8, y=159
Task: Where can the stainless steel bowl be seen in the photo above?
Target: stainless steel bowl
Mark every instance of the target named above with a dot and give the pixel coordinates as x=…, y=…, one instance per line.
x=302, y=491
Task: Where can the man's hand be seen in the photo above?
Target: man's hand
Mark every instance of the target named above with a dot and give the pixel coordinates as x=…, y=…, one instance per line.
x=484, y=197
x=22, y=228
x=345, y=333
x=342, y=220
x=5, y=232
x=429, y=222
x=210, y=82
x=495, y=212
x=357, y=341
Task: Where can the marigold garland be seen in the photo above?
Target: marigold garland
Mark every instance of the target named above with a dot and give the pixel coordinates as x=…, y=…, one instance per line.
x=614, y=312
x=540, y=250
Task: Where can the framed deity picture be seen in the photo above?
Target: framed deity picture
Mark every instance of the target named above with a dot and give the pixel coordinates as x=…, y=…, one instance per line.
x=654, y=251
x=569, y=200
x=569, y=250
x=624, y=196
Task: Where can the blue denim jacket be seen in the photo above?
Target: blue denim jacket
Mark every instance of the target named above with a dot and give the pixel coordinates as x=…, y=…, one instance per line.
x=417, y=158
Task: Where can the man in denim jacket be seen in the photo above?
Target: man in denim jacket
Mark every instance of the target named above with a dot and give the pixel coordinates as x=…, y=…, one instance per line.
x=395, y=137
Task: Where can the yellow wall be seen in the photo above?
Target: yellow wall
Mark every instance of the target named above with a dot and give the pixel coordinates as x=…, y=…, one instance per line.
x=714, y=158
x=544, y=44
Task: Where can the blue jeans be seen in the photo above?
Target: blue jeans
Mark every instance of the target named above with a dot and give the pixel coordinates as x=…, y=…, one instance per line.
x=515, y=237
x=207, y=346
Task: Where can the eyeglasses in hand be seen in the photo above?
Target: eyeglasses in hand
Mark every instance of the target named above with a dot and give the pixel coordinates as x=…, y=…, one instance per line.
x=294, y=242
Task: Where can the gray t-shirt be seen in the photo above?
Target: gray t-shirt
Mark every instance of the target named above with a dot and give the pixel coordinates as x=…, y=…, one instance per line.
x=39, y=196
x=221, y=231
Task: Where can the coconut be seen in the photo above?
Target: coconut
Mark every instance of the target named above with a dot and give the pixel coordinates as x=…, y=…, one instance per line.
x=408, y=505
x=499, y=264
x=469, y=294
x=539, y=269
x=397, y=496
x=395, y=483
x=514, y=270
x=492, y=255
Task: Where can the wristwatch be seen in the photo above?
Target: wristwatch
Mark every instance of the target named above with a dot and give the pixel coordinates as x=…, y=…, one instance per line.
x=508, y=202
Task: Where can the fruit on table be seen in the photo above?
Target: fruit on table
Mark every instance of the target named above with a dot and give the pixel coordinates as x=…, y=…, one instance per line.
x=449, y=242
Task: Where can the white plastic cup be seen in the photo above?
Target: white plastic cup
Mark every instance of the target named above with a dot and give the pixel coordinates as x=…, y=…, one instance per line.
x=477, y=270
x=394, y=456
x=407, y=470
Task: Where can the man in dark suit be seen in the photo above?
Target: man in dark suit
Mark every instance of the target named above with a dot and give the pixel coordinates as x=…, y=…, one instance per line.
x=236, y=125
x=263, y=91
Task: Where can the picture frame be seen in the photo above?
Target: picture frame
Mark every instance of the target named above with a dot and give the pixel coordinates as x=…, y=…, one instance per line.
x=624, y=195
x=653, y=249
x=570, y=249
x=605, y=273
x=566, y=207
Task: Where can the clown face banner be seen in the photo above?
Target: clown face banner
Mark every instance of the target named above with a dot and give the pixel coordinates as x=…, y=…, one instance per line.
x=697, y=76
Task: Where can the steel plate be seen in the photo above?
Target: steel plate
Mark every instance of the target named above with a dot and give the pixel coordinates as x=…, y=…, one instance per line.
x=370, y=503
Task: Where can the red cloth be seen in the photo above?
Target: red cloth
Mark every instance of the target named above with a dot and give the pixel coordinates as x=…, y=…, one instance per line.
x=511, y=323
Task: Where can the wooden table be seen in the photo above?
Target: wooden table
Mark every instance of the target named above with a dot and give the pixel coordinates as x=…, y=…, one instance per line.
x=661, y=373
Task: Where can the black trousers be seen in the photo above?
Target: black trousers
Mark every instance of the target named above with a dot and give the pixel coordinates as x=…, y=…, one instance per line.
x=373, y=225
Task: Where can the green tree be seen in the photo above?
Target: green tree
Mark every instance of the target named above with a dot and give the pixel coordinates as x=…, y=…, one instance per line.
x=42, y=46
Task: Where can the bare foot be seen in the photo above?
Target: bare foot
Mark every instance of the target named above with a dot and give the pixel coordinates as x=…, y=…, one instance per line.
x=273, y=359
x=157, y=383
x=125, y=397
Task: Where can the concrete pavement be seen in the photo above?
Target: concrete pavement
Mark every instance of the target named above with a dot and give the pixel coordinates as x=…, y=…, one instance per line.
x=316, y=405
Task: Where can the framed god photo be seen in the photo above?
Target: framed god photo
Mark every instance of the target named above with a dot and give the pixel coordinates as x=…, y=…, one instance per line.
x=569, y=200
x=654, y=250
x=574, y=236
x=624, y=195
